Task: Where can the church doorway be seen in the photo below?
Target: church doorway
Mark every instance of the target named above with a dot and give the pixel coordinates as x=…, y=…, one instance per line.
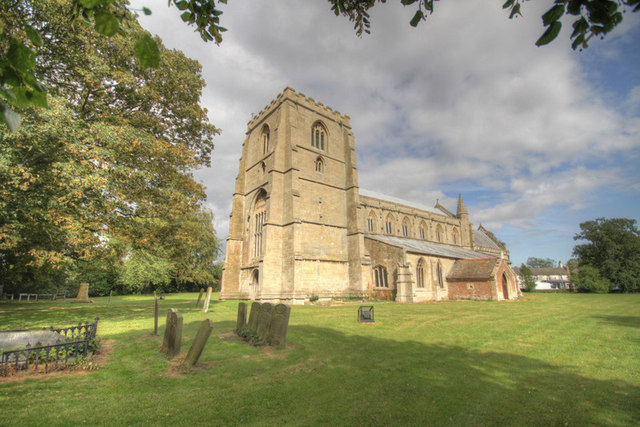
x=253, y=288
x=505, y=286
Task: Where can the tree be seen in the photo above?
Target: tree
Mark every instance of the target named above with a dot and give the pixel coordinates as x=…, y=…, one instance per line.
x=105, y=172
x=588, y=279
x=613, y=250
x=22, y=35
x=527, y=277
x=592, y=17
x=534, y=262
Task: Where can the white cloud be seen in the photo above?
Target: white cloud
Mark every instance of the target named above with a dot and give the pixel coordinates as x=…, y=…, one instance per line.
x=466, y=97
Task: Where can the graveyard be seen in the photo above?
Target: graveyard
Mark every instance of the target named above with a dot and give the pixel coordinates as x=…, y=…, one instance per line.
x=547, y=359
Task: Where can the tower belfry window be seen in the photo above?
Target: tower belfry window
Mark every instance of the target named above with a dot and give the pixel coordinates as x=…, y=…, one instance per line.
x=318, y=136
x=265, y=139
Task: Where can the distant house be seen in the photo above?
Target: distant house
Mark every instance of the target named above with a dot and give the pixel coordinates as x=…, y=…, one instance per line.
x=547, y=278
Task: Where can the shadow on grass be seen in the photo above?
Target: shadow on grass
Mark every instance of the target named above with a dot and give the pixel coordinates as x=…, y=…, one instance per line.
x=372, y=380
x=330, y=376
x=630, y=321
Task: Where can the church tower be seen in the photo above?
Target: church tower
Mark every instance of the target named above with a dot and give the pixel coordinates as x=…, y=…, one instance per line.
x=293, y=229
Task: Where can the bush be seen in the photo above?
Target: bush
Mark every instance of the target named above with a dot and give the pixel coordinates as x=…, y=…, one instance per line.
x=588, y=279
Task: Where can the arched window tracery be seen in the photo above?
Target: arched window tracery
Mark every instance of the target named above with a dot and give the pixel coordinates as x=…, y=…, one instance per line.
x=319, y=136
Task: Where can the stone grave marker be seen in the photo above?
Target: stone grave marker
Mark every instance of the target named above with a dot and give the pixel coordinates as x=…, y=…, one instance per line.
x=199, y=297
x=198, y=344
x=242, y=316
x=173, y=333
x=264, y=321
x=83, y=293
x=207, y=299
x=277, y=336
x=254, y=315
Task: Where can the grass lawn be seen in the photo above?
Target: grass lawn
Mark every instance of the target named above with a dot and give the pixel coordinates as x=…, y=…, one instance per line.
x=548, y=359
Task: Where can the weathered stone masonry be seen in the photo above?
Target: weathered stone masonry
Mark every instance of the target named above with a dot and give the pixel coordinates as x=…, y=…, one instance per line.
x=301, y=227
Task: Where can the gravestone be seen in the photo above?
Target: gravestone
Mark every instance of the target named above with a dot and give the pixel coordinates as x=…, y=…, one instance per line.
x=198, y=344
x=242, y=316
x=264, y=321
x=205, y=308
x=83, y=293
x=199, y=297
x=254, y=315
x=277, y=335
x=173, y=333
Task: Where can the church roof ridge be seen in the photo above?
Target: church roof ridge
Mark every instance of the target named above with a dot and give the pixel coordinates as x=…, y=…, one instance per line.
x=392, y=199
x=291, y=93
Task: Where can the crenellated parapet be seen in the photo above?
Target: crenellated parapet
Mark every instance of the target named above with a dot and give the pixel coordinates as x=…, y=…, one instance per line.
x=301, y=99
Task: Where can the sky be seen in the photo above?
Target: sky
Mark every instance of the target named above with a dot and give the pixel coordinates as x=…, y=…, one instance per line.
x=536, y=139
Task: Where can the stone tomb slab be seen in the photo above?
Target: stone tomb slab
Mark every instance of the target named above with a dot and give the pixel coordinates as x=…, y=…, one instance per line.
x=173, y=333
x=277, y=335
x=19, y=339
x=242, y=316
x=254, y=315
x=264, y=322
x=198, y=344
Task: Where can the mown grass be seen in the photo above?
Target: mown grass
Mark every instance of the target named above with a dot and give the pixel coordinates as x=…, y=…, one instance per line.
x=548, y=359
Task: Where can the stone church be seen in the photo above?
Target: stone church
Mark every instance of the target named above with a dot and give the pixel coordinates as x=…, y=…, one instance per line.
x=301, y=227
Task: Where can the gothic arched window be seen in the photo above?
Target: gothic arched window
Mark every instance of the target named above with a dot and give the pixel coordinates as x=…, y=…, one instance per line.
x=259, y=216
x=319, y=165
x=380, y=275
x=319, y=136
x=371, y=222
x=439, y=233
x=264, y=139
x=420, y=273
x=456, y=236
x=405, y=227
x=423, y=230
x=439, y=274
x=389, y=224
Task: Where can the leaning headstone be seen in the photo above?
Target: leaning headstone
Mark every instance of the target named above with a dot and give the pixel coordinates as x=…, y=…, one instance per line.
x=242, y=316
x=83, y=293
x=205, y=308
x=254, y=315
x=173, y=333
x=264, y=321
x=199, y=297
x=198, y=344
x=277, y=336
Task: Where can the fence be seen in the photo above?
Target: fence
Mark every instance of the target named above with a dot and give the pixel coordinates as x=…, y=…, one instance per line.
x=79, y=341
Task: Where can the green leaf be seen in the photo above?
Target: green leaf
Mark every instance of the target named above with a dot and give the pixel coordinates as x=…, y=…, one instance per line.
x=416, y=18
x=579, y=27
x=21, y=57
x=577, y=42
x=147, y=52
x=186, y=16
x=550, y=34
x=507, y=4
x=89, y=4
x=553, y=14
x=105, y=23
x=33, y=35
x=408, y=2
x=182, y=5
x=515, y=11
x=146, y=11
x=37, y=98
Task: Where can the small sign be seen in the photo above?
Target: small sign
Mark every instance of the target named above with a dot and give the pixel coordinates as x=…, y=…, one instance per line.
x=365, y=314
